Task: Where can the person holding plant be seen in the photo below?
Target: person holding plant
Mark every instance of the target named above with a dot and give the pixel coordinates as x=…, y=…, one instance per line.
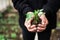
x=37, y=16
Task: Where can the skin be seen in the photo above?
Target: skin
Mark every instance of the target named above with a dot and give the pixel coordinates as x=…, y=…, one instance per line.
x=30, y=28
x=41, y=27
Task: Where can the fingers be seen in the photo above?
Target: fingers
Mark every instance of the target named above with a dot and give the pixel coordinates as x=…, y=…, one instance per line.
x=30, y=28
x=41, y=27
x=44, y=19
x=28, y=22
x=33, y=26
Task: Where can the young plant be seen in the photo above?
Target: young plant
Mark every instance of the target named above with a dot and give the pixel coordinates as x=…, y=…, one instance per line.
x=36, y=19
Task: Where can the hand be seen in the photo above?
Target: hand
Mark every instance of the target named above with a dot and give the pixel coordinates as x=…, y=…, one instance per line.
x=30, y=28
x=41, y=27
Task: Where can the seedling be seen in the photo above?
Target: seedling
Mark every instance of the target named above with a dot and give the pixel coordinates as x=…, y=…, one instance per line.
x=36, y=19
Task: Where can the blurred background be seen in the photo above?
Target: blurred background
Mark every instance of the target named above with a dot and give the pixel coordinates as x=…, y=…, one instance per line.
x=9, y=26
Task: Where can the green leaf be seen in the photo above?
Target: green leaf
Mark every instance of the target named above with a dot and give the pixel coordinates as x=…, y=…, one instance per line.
x=29, y=15
x=13, y=35
x=36, y=15
x=2, y=39
x=1, y=36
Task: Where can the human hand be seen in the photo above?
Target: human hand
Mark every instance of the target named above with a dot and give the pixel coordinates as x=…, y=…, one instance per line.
x=44, y=22
x=29, y=26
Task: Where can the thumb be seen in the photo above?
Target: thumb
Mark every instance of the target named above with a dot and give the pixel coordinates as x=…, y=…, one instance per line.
x=30, y=20
x=42, y=17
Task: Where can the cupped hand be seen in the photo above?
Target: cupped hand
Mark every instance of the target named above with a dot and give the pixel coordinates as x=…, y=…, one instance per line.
x=29, y=26
x=41, y=27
